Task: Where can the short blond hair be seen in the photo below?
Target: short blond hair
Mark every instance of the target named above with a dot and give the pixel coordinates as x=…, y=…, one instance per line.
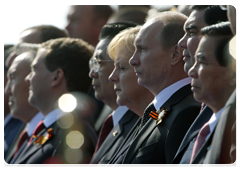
x=123, y=42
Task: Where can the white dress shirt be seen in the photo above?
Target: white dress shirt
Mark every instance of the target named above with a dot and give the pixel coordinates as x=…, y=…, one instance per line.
x=33, y=123
x=118, y=114
x=213, y=121
x=166, y=93
x=53, y=116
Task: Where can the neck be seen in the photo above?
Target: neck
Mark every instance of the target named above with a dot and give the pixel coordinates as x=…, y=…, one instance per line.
x=138, y=106
x=111, y=103
x=172, y=77
x=31, y=112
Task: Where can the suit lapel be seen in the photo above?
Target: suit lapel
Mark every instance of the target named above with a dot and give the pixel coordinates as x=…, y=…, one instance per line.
x=151, y=124
x=139, y=139
x=202, y=118
x=31, y=149
x=125, y=144
x=202, y=152
x=113, y=136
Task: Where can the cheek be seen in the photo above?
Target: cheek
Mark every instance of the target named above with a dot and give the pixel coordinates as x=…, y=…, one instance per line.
x=129, y=82
x=192, y=46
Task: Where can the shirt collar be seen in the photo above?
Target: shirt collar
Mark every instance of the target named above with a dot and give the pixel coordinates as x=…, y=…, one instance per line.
x=166, y=93
x=7, y=119
x=53, y=116
x=33, y=123
x=214, y=119
x=118, y=114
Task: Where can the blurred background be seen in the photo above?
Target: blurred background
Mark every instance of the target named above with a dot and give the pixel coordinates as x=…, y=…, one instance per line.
x=19, y=15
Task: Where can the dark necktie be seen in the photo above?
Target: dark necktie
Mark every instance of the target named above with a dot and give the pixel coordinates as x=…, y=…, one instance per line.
x=105, y=130
x=203, y=133
x=38, y=129
x=22, y=137
x=146, y=114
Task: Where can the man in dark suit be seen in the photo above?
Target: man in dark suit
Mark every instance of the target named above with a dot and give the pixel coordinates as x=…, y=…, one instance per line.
x=223, y=147
x=17, y=90
x=213, y=65
x=60, y=67
x=123, y=119
x=202, y=15
x=159, y=67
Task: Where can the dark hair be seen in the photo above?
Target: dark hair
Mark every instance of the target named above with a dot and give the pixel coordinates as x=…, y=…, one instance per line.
x=72, y=56
x=199, y=7
x=110, y=30
x=49, y=32
x=223, y=31
x=102, y=11
x=132, y=13
x=214, y=14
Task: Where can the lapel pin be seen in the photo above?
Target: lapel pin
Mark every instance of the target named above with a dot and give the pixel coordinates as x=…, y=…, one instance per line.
x=158, y=115
x=115, y=133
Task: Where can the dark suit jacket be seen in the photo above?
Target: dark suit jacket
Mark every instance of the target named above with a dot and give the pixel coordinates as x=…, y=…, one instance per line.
x=184, y=152
x=54, y=149
x=159, y=143
x=117, y=158
x=112, y=143
x=11, y=132
x=223, y=145
x=103, y=114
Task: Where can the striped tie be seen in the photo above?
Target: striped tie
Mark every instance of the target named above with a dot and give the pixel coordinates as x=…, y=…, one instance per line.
x=37, y=130
x=146, y=114
x=203, y=133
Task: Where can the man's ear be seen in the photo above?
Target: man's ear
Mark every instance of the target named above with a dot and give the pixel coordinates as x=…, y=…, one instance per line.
x=176, y=54
x=58, y=77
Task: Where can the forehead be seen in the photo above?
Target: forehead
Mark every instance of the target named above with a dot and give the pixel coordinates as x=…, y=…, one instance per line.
x=149, y=32
x=101, y=50
x=196, y=19
x=41, y=54
x=207, y=46
x=21, y=62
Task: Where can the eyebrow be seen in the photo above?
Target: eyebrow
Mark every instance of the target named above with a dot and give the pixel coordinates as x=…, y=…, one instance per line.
x=191, y=26
x=98, y=55
x=201, y=57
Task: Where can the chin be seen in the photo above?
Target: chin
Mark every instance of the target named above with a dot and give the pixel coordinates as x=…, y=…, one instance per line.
x=197, y=97
x=120, y=102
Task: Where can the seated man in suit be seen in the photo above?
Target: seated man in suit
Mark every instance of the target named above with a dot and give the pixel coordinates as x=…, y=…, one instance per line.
x=60, y=67
x=158, y=64
x=122, y=119
x=17, y=90
x=202, y=15
x=214, y=80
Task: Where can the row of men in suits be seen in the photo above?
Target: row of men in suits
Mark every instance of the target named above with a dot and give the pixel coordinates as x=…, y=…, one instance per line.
x=130, y=139
x=177, y=140
x=46, y=142
x=21, y=113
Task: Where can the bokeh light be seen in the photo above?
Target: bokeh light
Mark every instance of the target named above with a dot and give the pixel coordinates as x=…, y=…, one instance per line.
x=66, y=121
x=75, y=139
x=67, y=102
x=73, y=156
